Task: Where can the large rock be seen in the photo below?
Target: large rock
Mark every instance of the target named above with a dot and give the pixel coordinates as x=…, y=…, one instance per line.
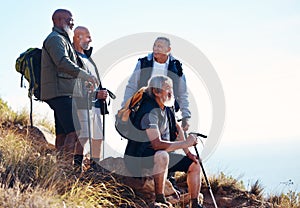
x=40, y=137
x=145, y=186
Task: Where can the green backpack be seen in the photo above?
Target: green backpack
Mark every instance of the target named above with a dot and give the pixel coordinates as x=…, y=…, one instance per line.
x=29, y=65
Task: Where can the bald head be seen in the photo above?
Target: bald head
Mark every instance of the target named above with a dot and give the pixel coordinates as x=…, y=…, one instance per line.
x=62, y=18
x=80, y=30
x=81, y=39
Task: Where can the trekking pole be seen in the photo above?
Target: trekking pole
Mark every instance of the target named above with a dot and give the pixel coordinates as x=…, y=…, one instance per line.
x=30, y=115
x=89, y=122
x=103, y=125
x=202, y=167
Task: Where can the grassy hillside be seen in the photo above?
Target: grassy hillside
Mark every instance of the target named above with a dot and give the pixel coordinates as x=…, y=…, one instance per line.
x=32, y=176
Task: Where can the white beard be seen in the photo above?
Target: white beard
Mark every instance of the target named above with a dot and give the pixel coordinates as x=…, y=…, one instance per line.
x=84, y=46
x=68, y=30
x=169, y=102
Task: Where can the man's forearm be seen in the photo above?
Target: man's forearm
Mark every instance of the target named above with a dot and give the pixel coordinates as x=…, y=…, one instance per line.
x=158, y=144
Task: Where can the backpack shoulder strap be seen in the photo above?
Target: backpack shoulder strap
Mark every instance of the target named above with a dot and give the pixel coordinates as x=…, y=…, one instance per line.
x=172, y=123
x=146, y=71
x=177, y=67
x=145, y=63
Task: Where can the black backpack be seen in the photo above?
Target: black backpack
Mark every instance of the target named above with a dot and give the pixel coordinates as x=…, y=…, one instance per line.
x=29, y=65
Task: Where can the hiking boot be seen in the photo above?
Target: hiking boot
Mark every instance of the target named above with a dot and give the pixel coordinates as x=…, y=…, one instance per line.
x=161, y=201
x=78, y=162
x=195, y=204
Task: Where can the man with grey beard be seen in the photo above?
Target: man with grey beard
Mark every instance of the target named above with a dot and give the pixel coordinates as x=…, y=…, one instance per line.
x=150, y=145
x=60, y=83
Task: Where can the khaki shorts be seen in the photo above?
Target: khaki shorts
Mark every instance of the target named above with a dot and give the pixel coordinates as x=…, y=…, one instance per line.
x=95, y=123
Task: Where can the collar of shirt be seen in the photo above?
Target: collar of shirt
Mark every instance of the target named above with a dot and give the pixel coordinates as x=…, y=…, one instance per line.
x=82, y=55
x=166, y=63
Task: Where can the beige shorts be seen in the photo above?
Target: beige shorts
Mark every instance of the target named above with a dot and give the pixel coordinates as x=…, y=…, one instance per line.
x=95, y=123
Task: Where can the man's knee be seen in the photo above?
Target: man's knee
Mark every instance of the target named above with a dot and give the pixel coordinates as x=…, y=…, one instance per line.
x=161, y=157
x=195, y=167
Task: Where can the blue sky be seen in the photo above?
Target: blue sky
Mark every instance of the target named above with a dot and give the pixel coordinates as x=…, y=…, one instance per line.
x=253, y=45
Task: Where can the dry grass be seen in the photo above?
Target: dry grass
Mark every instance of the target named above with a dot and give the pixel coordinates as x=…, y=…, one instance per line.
x=32, y=177
x=37, y=179
x=18, y=197
x=47, y=124
x=9, y=117
x=257, y=189
x=227, y=183
x=21, y=162
x=290, y=199
x=21, y=118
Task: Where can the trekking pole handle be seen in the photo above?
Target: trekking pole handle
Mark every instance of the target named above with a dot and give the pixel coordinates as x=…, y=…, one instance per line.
x=198, y=134
x=110, y=93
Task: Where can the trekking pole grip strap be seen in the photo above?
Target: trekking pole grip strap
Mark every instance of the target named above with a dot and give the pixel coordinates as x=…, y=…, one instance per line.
x=198, y=134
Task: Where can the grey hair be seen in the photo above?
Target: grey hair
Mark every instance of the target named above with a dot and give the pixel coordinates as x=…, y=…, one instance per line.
x=167, y=40
x=156, y=83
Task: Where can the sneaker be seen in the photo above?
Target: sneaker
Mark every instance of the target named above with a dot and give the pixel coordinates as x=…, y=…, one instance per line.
x=196, y=205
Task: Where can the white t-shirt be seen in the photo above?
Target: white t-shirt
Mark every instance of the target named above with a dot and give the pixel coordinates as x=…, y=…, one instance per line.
x=160, y=69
